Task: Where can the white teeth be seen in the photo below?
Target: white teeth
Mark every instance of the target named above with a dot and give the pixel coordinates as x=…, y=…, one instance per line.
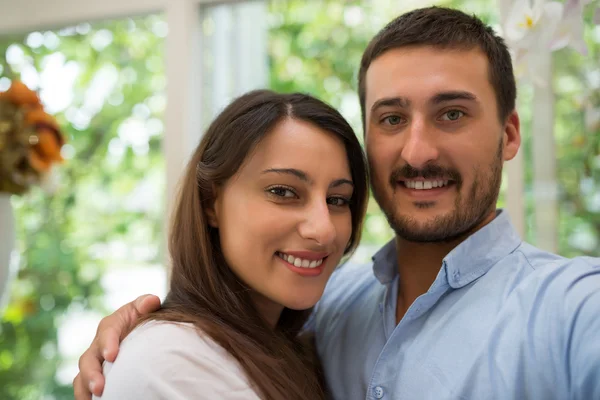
x=425, y=185
x=299, y=262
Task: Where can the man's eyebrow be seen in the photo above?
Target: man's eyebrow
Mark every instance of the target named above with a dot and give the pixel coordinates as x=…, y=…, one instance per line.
x=400, y=102
x=453, y=95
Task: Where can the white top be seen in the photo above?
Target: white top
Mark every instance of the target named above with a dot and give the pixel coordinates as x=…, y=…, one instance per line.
x=174, y=361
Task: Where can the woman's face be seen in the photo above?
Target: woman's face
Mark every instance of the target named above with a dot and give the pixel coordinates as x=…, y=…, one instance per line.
x=284, y=219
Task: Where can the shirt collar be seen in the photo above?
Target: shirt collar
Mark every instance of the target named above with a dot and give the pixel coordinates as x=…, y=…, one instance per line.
x=468, y=261
x=385, y=263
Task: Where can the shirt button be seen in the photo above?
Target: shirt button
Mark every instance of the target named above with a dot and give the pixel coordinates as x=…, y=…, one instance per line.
x=378, y=392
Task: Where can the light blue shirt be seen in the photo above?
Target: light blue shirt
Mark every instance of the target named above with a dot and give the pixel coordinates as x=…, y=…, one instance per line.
x=502, y=320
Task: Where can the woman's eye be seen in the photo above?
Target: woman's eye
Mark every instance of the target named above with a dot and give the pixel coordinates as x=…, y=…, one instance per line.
x=282, y=192
x=338, y=201
x=452, y=115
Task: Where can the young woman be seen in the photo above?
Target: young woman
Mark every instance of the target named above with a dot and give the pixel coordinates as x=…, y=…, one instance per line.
x=272, y=199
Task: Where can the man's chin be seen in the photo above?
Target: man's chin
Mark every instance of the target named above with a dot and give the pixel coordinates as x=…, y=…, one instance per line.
x=424, y=236
x=424, y=217
x=417, y=228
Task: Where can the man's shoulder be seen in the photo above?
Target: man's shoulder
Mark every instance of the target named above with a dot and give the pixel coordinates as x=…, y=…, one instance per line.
x=573, y=279
x=551, y=266
x=560, y=281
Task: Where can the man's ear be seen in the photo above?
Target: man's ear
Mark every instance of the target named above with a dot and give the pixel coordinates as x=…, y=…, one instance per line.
x=512, y=136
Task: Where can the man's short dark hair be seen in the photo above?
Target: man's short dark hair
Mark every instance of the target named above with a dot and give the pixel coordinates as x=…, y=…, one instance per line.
x=445, y=28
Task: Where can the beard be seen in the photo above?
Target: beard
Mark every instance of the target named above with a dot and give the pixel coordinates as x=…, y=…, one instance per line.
x=468, y=211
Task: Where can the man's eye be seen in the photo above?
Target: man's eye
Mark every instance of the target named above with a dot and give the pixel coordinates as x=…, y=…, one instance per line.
x=392, y=120
x=452, y=115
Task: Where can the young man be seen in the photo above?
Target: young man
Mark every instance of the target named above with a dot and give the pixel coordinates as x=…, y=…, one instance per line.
x=456, y=305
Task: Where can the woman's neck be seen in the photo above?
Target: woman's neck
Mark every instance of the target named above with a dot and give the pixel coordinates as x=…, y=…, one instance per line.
x=268, y=309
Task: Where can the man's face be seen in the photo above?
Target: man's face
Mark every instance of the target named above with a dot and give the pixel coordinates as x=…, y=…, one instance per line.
x=434, y=141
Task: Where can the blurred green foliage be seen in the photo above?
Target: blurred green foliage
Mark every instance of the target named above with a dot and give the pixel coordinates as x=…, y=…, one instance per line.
x=66, y=239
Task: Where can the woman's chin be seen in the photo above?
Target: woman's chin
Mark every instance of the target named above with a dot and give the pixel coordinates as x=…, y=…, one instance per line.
x=303, y=303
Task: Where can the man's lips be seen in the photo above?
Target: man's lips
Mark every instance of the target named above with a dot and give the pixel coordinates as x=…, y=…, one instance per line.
x=425, y=189
x=426, y=184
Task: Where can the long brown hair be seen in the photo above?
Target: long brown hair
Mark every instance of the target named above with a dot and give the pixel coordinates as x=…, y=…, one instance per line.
x=204, y=290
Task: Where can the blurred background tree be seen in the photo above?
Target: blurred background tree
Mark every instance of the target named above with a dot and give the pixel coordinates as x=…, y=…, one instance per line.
x=577, y=133
x=108, y=209
x=105, y=83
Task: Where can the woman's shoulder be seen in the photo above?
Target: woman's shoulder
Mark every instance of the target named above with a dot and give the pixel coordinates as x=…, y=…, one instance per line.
x=156, y=338
x=164, y=341
x=175, y=358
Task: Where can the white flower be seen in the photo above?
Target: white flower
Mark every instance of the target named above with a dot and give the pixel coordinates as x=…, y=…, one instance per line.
x=526, y=24
x=533, y=29
x=528, y=31
x=570, y=29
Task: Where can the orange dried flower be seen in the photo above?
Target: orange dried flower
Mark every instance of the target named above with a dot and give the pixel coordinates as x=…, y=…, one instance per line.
x=21, y=95
x=48, y=146
x=30, y=139
x=40, y=117
x=37, y=162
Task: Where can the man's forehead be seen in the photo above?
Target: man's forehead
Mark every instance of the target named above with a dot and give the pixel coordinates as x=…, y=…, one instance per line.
x=425, y=71
x=428, y=55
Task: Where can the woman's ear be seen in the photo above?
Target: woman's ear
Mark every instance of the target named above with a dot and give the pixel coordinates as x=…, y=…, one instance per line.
x=211, y=209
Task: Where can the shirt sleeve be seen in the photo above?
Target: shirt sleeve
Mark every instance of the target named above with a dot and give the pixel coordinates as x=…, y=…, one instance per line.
x=160, y=361
x=546, y=341
x=582, y=308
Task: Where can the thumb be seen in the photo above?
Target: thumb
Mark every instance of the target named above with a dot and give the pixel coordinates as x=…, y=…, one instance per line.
x=146, y=304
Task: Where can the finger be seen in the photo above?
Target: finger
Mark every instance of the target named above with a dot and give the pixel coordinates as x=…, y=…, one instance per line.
x=80, y=391
x=91, y=377
x=146, y=304
x=115, y=327
x=108, y=340
x=105, y=346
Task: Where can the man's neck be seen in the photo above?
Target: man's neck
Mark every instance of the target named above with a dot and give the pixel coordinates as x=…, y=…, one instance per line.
x=419, y=265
